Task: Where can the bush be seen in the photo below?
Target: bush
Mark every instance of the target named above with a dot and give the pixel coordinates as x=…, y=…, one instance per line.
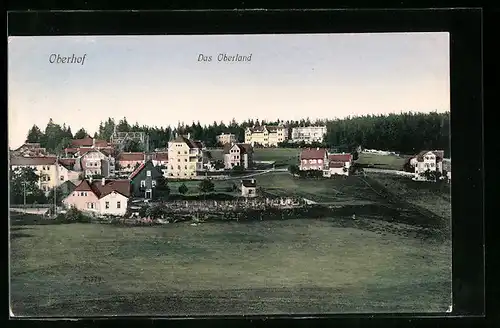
x=75, y=215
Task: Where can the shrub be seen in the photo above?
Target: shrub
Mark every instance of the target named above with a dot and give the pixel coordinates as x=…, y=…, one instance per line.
x=75, y=215
x=183, y=189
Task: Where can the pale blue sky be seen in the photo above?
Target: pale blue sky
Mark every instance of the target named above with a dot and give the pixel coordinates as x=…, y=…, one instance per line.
x=157, y=80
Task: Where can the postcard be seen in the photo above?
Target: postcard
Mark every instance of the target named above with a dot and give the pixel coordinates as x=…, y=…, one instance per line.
x=199, y=175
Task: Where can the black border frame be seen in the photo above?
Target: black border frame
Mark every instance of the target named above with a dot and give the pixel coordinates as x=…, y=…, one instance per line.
x=465, y=27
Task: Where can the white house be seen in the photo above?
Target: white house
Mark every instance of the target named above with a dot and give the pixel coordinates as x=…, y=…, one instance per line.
x=238, y=155
x=338, y=164
x=113, y=203
x=248, y=188
x=427, y=160
x=308, y=134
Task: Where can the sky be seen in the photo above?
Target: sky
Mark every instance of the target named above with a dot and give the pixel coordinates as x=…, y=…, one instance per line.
x=158, y=80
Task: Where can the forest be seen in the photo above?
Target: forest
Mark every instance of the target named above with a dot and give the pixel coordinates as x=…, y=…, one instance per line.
x=406, y=133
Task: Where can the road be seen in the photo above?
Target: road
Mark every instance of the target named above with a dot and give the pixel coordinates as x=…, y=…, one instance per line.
x=39, y=211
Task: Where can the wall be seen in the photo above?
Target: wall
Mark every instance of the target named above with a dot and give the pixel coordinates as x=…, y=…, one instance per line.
x=113, y=198
x=79, y=201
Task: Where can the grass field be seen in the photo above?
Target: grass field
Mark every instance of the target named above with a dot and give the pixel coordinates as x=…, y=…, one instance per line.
x=275, y=267
x=388, y=162
x=395, y=257
x=281, y=155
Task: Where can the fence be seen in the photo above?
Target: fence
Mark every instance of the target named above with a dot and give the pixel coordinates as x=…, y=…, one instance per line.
x=31, y=205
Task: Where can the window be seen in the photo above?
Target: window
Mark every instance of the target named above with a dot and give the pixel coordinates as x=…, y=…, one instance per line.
x=185, y=152
x=178, y=152
x=178, y=167
x=107, y=205
x=185, y=159
x=148, y=173
x=178, y=160
x=118, y=205
x=62, y=178
x=48, y=178
x=143, y=183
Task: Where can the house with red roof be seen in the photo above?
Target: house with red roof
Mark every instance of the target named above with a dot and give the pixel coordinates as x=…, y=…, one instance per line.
x=100, y=196
x=427, y=160
x=128, y=161
x=313, y=159
x=338, y=164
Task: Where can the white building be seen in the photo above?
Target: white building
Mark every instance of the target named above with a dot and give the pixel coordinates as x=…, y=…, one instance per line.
x=309, y=134
x=238, y=155
x=427, y=161
x=226, y=138
x=266, y=135
x=338, y=164
x=185, y=158
x=249, y=188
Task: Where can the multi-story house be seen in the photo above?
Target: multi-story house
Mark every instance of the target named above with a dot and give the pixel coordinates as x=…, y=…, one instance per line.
x=44, y=167
x=185, y=158
x=226, y=138
x=238, y=155
x=266, y=135
x=80, y=146
x=313, y=159
x=96, y=162
x=143, y=180
x=338, y=164
x=427, y=160
x=29, y=150
x=309, y=134
x=100, y=196
x=66, y=171
x=128, y=161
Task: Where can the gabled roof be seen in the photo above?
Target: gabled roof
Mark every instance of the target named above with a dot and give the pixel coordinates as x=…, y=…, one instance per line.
x=249, y=183
x=274, y=128
x=136, y=171
x=46, y=160
x=131, y=156
x=244, y=148
x=119, y=186
x=100, y=190
x=160, y=156
x=438, y=153
x=191, y=143
x=317, y=153
x=89, y=142
x=67, y=162
x=340, y=157
x=335, y=164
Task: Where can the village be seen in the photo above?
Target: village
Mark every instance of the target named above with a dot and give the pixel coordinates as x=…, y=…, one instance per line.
x=100, y=178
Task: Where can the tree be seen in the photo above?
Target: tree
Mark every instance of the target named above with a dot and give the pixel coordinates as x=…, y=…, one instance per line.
x=132, y=146
x=162, y=187
x=238, y=169
x=35, y=135
x=293, y=169
x=183, y=189
x=24, y=186
x=206, y=186
x=81, y=134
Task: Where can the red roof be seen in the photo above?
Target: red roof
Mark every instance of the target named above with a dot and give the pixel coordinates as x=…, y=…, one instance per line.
x=119, y=186
x=89, y=142
x=71, y=150
x=160, y=156
x=318, y=153
x=136, y=171
x=334, y=164
x=68, y=162
x=100, y=190
x=340, y=158
x=46, y=160
x=137, y=156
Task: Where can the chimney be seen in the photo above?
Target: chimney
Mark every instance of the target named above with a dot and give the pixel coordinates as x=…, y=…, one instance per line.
x=189, y=135
x=93, y=143
x=103, y=181
x=90, y=180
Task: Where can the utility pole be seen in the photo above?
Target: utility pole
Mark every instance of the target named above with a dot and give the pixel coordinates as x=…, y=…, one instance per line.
x=24, y=192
